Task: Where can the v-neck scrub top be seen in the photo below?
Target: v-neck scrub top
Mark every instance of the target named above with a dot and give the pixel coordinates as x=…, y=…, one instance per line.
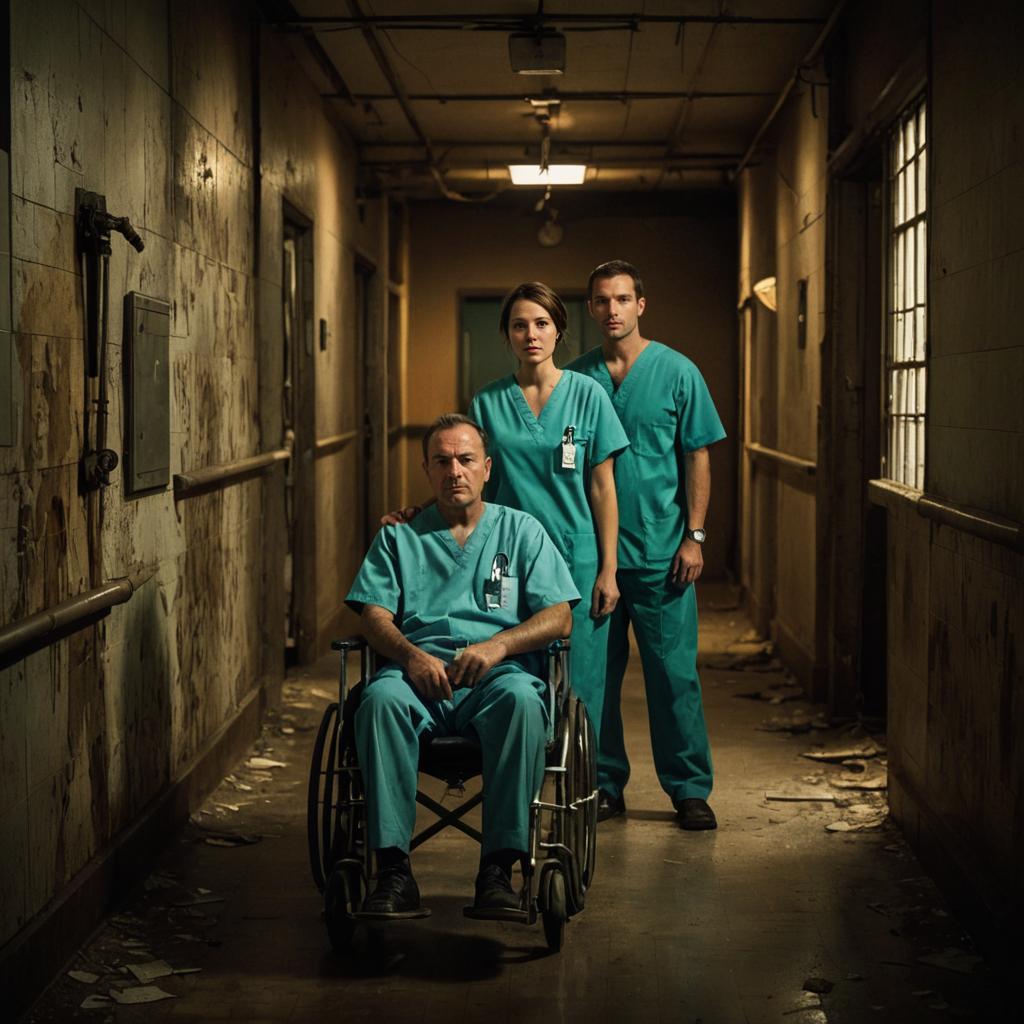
x=435, y=589
x=526, y=456
x=666, y=409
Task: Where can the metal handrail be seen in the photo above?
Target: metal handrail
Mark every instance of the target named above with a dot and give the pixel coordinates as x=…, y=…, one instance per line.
x=784, y=458
x=19, y=638
x=199, y=480
x=334, y=443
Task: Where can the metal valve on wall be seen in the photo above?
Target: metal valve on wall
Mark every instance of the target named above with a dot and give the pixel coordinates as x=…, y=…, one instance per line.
x=93, y=227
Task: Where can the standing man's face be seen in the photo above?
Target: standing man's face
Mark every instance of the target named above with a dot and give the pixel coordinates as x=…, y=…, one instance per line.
x=457, y=467
x=615, y=307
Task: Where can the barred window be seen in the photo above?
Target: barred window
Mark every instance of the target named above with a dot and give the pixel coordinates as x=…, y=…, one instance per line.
x=906, y=357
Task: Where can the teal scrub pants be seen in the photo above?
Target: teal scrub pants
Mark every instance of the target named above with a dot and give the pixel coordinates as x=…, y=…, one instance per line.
x=507, y=713
x=664, y=621
x=588, y=653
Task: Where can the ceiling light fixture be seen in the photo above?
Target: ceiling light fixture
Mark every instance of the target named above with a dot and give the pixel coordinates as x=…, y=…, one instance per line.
x=537, y=53
x=553, y=174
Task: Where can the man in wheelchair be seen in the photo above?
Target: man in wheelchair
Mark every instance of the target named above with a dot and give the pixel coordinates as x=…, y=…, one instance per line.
x=460, y=604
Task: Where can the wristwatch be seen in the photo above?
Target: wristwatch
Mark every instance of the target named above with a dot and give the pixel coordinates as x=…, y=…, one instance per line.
x=697, y=536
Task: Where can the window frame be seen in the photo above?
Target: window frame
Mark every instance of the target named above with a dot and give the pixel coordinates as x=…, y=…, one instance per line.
x=907, y=326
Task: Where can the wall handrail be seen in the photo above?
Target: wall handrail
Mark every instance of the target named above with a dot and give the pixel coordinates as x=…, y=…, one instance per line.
x=199, y=480
x=334, y=443
x=977, y=522
x=34, y=631
x=760, y=451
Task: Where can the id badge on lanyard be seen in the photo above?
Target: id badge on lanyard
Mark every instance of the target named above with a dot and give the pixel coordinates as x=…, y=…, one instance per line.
x=569, y=448
x=498, y=589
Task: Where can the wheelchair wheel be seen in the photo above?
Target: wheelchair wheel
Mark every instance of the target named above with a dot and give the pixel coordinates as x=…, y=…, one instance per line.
x=554, y=909
x=343, y=896
x=585, y=771
x=320, y=796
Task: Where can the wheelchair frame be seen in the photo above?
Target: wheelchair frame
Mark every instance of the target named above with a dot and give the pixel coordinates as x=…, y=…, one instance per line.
x=561, y=858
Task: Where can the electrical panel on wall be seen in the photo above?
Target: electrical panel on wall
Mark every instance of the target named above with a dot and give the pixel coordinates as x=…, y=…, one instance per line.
x=147, y=381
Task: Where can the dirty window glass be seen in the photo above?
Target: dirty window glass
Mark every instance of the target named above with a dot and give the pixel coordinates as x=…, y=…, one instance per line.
x=907, y=301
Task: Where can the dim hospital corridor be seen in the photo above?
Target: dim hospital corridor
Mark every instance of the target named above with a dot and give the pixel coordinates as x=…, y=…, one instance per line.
x=252, y=250
x=771, y=917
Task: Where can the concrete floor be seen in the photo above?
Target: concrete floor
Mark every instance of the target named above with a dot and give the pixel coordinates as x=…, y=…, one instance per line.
x=726, y=927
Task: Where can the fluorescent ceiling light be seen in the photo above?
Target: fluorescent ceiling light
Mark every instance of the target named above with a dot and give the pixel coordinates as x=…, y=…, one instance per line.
x=556, y=174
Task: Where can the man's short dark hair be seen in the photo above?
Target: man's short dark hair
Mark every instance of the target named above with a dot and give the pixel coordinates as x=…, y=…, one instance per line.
x=613, y=268
x=453, y=419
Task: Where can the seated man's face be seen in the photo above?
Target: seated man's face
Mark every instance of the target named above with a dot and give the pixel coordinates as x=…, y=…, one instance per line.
x=457, y=467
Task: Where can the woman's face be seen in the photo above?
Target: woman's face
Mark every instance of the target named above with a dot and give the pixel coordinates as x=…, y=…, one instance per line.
x=531, y=333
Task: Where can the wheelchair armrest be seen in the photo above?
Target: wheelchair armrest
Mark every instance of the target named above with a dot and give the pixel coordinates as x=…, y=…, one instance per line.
x=349, y=643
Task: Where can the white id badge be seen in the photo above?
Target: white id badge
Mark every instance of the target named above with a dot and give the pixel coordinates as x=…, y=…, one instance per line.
x=568, y=455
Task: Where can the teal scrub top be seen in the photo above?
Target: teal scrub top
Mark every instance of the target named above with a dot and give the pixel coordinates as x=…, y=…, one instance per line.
x=437, y=590
x=666, y=409
x=526, y=456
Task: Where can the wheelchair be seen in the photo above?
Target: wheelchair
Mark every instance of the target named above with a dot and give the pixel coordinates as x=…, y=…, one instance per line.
x=559, y=865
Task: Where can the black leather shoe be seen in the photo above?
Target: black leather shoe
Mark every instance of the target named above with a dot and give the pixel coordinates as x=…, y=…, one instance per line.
x=609, y=806
x=694, y=815
x=494, y=890
x=396, y=895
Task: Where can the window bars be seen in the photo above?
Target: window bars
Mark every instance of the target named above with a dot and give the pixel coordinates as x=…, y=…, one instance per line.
x=907, y=306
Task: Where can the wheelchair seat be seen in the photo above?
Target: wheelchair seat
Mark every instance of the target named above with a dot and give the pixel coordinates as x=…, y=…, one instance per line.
x=452, y=759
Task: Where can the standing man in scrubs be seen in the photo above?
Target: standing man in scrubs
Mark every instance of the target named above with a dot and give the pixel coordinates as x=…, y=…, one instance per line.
x=459, y=603
x=664, y=484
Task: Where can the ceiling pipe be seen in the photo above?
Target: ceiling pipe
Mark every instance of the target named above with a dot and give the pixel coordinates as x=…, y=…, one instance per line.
x=507, y=23
x=589, y=97
x=811, y=58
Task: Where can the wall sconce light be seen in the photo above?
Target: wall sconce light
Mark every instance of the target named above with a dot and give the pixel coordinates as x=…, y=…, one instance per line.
x=765, y=291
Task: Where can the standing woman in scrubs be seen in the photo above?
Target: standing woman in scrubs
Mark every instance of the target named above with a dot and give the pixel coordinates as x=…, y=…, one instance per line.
x=556, y=436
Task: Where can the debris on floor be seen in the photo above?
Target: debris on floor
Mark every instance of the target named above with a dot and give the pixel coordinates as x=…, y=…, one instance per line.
x=747, y=655
x=820, y=985
x=952, y=959
x=846, y=751
x=776, y=693
x=798, y=721
x=141, y=994
x=799, y=795
x=85, y=977
x=264, y=762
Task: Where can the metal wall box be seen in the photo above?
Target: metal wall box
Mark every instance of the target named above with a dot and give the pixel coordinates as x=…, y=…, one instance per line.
x=147, y=396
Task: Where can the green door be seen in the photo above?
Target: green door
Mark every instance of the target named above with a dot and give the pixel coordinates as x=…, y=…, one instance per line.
x=484, y=352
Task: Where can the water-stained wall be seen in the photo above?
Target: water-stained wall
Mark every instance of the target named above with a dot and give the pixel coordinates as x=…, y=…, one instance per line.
x=956, y=601
x=200, y=134
x=948, y=600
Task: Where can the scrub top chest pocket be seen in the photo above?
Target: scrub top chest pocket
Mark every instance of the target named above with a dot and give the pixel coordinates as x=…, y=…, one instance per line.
x=657, y=438
x=501, y=591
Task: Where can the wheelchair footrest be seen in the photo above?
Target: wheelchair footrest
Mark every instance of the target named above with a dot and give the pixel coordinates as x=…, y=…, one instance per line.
x=403, y=915
x=497, y=914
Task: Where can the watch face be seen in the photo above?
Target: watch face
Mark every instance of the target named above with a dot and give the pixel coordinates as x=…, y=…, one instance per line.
x=698, y=536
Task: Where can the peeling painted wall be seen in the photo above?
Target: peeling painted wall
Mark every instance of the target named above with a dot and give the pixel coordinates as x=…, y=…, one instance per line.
x=158, y=115
x=782, y=200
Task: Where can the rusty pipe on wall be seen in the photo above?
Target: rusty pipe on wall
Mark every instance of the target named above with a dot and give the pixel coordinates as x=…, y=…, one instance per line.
x=21, y=638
